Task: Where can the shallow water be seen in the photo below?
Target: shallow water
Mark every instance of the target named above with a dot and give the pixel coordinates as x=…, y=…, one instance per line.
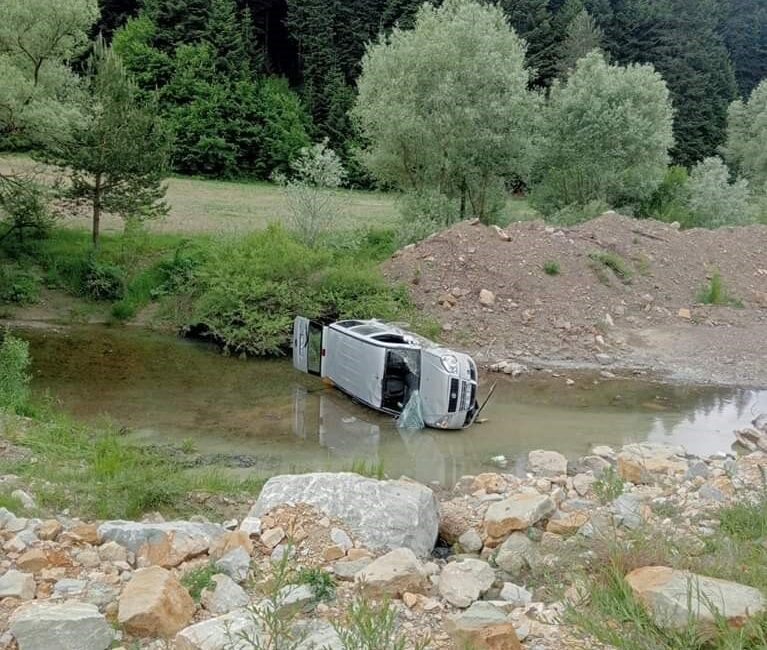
x=263, y=417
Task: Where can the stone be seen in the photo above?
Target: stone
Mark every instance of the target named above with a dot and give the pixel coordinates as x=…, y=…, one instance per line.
x=604, y=451
x=394, y=573
x=333, y=552
x=69, y=587
x=317, y=635
x=33, y=560
x=645, y=462
x=26, y=499
x=230, y=540
x=382, y=515
x=515, y=595
x=221, y=633
x=165, y=544
x=113, y=552
x=347, y=569
x=675, y=597
x=546, y=463
x=270, y=538
x=567, y=523
x=85, y=532
x=684, y=313
x=224, y=596
x=583, y=483
x=88, y=558
x=470, y=541
x=251, y=526
x=502, y=234
x=235, y=564
x=47, y=625
x=628, y=511
x=456, y=517
x=49, y=530
x=17, y=584
x=340, y=538
x=483, y=627
x=154, y=604
x=515, y=554
x=463, y=582
x=697, y=469
x=518, y=512
x=752, y=439
x=486, y=298
x=292, y=598
x=490, y=482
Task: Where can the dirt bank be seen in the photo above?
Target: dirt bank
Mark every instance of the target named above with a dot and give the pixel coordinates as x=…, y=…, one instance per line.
x=626, y=295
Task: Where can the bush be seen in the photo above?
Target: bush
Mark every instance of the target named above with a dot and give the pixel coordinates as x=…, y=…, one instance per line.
x=669, y=202
x=713, y=200
x=715, y=293
x=551, y=267
x=14, y=375
x=614, y=262
x=18, y=286
x=102, y=281
x=23, y=210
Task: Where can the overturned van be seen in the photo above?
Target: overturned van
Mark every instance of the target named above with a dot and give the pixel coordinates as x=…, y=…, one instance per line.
x=383, y=366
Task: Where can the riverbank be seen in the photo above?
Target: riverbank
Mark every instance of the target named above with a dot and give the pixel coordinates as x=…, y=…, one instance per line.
x=561, y=557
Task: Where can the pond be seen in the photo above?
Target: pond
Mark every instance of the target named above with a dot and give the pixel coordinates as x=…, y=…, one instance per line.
x=262, y=417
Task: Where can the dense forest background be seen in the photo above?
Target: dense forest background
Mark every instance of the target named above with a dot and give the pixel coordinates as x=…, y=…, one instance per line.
x=246, y=84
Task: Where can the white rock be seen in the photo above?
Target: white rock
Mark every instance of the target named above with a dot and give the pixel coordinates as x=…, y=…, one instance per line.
x=486, y=298
x=235, y=564
x=463, y=582
x=225, y=595
x=395, y=573
x=47, y=626
x=516, y=595
x=470, y=541
x=546, y=463
x=340, y=538
x=26, y=500
x=222, y=633
x=251, y=526
x=16, y=584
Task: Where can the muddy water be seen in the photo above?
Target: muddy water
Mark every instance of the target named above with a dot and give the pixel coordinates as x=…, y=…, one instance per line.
x=262, y=417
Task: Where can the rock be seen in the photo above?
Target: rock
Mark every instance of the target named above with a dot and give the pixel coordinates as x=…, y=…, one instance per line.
x=760, y=422
x=317, y=635
x=515, y=554
x=26, y=499
x=113, y=552
x=582, y=483
x=270, y=538
x=84, y=532
x=518, y=512
x=394, y=573
x=340, y=538
x=645, y=462
x=604, y=451
x=502, y=234
x=332, y=552
x=16, y=584
x=251, y=526
x=567, y=523
x=486, y=298
x=46, y=626
x=347, y=569
x=456, y=517
x=165, y=544
x=235, y=564
x=697, y=469
x=225, y=595
x=33, y=560
x=464, y=581
x=546, y=463
x=154, y=604
x=222, y=633
x=49, y=530
x=229, y=541
x=483, y=627
x=752, y=439
x=470, y=541
x=490, y=482
x=69, y=587
x=628, y=511
x=684, y=313
x=380, y=514
x=447, y=299
x=515, y=595
x=674, y=597
x=293, y=598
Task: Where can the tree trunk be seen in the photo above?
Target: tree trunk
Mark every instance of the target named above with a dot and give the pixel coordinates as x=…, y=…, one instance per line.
x=96, y=210
x=463, y=201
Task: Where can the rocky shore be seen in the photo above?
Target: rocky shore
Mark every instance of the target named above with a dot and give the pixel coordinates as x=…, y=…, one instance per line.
x=497, y=562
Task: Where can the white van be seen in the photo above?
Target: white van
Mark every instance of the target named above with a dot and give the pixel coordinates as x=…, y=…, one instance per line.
x=381, y=366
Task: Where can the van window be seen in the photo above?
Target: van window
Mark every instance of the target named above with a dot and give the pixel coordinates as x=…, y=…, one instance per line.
x=365, y=330
x=348, y=323
x=390, y=338
x=402, y=375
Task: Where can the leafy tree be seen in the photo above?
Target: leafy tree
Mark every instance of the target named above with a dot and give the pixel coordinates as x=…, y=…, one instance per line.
x=715, y=201
x=445, y=106
x=746, y=148
x=583, y=36
x=117, y=154
x=608, y=131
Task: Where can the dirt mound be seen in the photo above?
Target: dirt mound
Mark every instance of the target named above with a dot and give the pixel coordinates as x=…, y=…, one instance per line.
x=617, y=278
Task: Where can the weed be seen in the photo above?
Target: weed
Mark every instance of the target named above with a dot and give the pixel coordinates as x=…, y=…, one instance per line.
x=551, y=267
x=715, y=293
x=18, y=286
x=665, y=509
x=320, y=581
x=614, y=262
x=188, y=446
x=609, y=486
x=198, y=580
x=11, y=503
x=14, y=373
x=372, y=469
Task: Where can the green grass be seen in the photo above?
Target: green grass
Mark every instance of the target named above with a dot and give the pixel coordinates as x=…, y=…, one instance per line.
x=551, y=267
x=198, y=580
x=609, y=486
x=11, y=503
x=369, y=468
x=614, y=262
x=321, y=582
x=715, y=293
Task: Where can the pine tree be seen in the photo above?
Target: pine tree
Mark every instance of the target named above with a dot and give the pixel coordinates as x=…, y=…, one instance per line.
x=583, y=36
x=532, y=20
x=745, y=32
x=177, y=21
x=223, y=31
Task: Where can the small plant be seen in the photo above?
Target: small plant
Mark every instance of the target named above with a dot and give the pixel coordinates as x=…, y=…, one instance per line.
x=11, y=503
x=373, y=627
x=614, y=262
x=198, y=580
x=609, y=486
x=371, y=469
x=18, y=286
x=188, y=446
x=14, y=375
x=102, y=281
x=551, y=267
x=320, y=581
x=715, y=293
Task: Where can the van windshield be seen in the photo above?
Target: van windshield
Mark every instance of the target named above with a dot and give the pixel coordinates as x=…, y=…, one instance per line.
x=402, y=375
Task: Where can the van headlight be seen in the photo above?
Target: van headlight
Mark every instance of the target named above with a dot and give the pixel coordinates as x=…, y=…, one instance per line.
x=450, y=363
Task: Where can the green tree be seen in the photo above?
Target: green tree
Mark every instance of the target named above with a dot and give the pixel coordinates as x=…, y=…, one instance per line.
x=445, y=106
x=607, y=134
x=713, y=199
x=583, y=36
x=745, y=32
x=224, y=32
x=149, y=67
x=117, y=153
x=532, y=20
x=177, y=22
x=746, y=147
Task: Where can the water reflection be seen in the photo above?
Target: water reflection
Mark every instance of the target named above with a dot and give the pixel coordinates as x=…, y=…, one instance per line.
x=269, y=418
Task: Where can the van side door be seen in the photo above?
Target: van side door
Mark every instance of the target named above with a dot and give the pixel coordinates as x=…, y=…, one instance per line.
x=307, y=346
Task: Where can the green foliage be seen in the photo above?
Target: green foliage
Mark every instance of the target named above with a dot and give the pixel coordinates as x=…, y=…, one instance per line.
x=369, y=468
x=14, y=373
x=18, y=286
x=669, y=202
x=609, y=486
x=24, y=209
x=607, y=133
x=611, y=260
x=321, y=582
x=11, y=503
x=715, y=293
x=583, y=36
x=444, y=107
x=551, y=267
x=746, y=147
x=713, y=200
x=102, y=281
x=198, y=580
x=745, y=32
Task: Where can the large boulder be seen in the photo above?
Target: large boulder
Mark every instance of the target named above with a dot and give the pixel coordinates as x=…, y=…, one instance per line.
x=674, y=597
x=224, y=595
x=546, y=463
x=483, y=627
x=154, y=604
x=381, y=514
x=227, y=632
x=46, y=625
x=463, y=582
x=395, y=573
x=165, y=544
x=518, y=512
x=646, y=462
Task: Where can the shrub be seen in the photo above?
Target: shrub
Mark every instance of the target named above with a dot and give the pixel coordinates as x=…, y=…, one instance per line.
x=18, y=286
x=198, y=580
x=24, y=210
x=713, y=200
x=574, y=214
x=669, y=202
x=715, y=293
x=102, y=281
x=423, y=214
x=609, y=486
x=551, y=267
x=614, y=262
x=14, y=375
x=321, y=582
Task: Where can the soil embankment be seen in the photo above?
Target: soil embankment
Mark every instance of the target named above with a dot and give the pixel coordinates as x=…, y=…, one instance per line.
x=619, y=292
